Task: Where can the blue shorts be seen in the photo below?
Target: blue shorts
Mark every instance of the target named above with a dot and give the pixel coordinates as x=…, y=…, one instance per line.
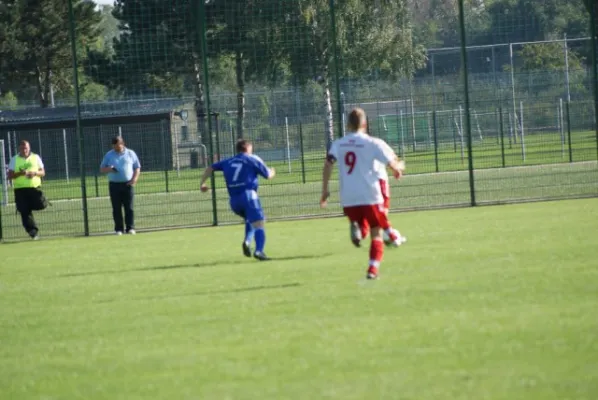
x=247, y=205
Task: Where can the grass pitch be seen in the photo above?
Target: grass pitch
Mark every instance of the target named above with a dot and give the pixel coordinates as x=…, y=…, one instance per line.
x=481, y=303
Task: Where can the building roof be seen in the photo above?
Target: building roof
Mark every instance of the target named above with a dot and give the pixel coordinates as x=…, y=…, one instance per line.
x=114, y=109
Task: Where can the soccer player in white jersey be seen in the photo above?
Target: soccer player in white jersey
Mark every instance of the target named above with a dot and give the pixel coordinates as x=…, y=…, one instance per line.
x=360, y=191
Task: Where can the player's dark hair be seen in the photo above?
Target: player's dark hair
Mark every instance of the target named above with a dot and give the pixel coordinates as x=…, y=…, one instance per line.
x=117, y=139
x=242, y=145
x=356, y=119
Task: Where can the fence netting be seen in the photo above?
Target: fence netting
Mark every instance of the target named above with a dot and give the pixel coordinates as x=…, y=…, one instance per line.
x=497, y=104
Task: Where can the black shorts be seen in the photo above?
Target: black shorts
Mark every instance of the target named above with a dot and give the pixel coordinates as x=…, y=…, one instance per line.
x=28, y=199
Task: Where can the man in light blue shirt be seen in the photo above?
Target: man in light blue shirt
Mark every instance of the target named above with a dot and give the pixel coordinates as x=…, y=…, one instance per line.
x=123, y=169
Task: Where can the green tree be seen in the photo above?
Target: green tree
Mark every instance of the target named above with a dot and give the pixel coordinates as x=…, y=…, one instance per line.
x=547, y=57
x=157, y=52
x=382, y=41
x=436, y=22
x=249, y=32
x=108, y=28
x=35, y=47
x=531, y=20
x=9, y=100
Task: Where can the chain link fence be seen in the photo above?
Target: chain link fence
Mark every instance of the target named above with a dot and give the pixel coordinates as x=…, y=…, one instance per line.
x=493, y=104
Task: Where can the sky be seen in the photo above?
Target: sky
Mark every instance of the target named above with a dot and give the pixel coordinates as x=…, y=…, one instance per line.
x=110, y=2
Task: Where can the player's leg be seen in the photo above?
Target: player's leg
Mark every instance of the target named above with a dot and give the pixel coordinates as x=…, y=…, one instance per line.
x=364, y=228
x=376, y=253
x=249, y=235
x=128, y=199
x=355, y=233
x=116, y=202
x=377, y=219
x=391, y=236
x=237, y=206
x=23, y=203
x=260, y=240
x=255, y=215
x=358, y=226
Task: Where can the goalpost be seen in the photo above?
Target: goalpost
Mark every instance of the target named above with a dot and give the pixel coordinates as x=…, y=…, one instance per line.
x=421, y=128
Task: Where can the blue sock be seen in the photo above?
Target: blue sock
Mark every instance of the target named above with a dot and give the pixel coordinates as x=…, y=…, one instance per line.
x=249, y=231
x=260, y=239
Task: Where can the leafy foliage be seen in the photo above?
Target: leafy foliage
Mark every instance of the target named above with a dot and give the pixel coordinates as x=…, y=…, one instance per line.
x=35, y=45
x=383, y=43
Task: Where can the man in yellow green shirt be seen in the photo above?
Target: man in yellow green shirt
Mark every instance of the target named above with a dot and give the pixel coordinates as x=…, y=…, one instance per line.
x=26, y=170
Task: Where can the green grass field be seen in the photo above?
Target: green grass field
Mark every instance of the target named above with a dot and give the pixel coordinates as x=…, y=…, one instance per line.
x=481, y=303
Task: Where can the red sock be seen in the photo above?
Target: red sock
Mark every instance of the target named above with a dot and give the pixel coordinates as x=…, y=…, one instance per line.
x=391, y=234
x=376, y=252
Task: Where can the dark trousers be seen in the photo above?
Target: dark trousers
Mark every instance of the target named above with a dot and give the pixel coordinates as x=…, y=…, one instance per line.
x=24, y=199
x=122, y=196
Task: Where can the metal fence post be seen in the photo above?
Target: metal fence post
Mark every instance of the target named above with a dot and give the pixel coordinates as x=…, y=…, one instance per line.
x=80, y=138
x=4, y=184
x=568, y=116
x=3, y=174
x=218, y=146
x=502, y=136
x=464, y=66
x=434, y=123
x=66, y=156
x=336, y=59
x=593, y=22
x=302, y=152
x=163, y=138
x=201, y=16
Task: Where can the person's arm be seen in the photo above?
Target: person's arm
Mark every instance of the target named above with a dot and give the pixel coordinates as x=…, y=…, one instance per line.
x=135, y=177
x=326, y=173
x=105, y=167
x=136, y=170
x=41, y=172
x=206, y=174
x=12, y=174
x=397, y=166
x=263, y=169
x=385, y=154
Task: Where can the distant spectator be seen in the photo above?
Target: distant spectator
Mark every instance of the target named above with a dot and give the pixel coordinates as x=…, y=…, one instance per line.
x=26, y=170
x=123, y=169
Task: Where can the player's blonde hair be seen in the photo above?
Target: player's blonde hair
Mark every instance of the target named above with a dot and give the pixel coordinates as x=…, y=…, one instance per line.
x=357, y=120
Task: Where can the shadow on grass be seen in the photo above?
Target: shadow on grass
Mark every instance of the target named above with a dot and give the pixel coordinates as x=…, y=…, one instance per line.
x=210, y=292
x=245, y=261
x=300, y=257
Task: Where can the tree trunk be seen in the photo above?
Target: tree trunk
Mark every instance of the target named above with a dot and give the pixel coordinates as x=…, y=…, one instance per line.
x=48, y=85
x=200, y=109
x=329, y=127
x=41, y=86
x=240, y=72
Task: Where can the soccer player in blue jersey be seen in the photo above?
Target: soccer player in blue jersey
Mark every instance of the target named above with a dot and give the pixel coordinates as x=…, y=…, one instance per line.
x=241, y=174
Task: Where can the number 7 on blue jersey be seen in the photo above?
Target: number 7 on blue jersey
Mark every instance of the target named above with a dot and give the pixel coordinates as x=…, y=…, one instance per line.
x=238, y=167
